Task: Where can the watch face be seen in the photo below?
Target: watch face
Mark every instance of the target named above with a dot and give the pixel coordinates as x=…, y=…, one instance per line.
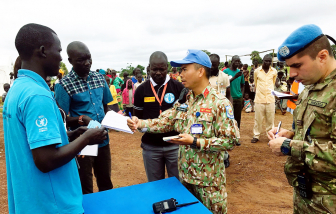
x=285, y=150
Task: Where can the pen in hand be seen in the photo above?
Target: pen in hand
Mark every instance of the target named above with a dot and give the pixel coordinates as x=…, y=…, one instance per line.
x=279, y=126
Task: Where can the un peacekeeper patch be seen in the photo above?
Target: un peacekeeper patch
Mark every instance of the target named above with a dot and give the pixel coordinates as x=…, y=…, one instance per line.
x=229, y=112
x=316, y=103
x=149, y=99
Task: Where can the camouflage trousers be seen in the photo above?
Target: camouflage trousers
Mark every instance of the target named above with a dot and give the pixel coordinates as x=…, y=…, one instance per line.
x=213, y=197
x=318, y=204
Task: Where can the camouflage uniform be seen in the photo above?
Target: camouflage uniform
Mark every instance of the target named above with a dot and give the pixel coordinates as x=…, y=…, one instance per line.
x=201, y=170
x=315, y=116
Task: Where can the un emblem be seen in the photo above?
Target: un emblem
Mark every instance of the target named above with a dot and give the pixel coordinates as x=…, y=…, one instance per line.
x=284, y=51
x=41, y=121
x=169, y=98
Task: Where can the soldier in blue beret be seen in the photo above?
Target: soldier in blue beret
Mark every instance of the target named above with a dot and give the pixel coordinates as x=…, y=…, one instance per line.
x=311, y=150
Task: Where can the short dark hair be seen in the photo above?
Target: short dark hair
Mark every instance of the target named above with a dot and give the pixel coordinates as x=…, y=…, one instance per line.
x=135, y=70
x=214, y=56
x=313, y=49
x=32, y=36
x=156, y=54
x=207, y=70
x=267, y=56
x=235, y=57
x=226, y=64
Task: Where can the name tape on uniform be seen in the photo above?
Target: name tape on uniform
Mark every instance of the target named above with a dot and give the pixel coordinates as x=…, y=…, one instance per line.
x=149, y=99
x=316, y=103
x=205, y=110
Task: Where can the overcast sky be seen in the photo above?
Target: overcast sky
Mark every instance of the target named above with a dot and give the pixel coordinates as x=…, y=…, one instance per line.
x=121, y=32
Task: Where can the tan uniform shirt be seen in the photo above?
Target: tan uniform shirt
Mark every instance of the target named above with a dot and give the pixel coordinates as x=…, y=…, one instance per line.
x=203, y=166
x=263, y=83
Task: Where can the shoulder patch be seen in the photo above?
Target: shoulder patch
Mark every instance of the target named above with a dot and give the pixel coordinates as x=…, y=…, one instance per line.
x=229, y=112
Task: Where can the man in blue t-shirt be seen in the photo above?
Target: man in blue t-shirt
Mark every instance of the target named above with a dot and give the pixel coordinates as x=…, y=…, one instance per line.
x=237, y=85
x=41, y=171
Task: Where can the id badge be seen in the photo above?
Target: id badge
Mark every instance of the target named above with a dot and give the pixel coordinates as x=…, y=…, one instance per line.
x=196, y=129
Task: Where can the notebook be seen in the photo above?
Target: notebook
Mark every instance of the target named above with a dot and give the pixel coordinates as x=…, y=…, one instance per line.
x=91, y=150
x=281, y=95
x=115, y=121
x=171, y=138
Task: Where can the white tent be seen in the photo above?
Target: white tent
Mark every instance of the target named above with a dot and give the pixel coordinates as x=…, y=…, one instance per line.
x=6, y=66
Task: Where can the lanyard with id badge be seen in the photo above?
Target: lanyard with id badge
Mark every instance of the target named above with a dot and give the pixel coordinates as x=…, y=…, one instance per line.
x=196, y=128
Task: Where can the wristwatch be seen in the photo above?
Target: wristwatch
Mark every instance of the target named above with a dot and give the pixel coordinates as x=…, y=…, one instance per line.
x=80, y=120
x=285, y=148
x=194, y=144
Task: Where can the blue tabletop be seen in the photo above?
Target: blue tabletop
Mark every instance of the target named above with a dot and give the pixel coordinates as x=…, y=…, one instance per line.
x=138, y=199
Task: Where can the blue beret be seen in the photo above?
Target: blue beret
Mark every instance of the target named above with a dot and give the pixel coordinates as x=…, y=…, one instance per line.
x=101, y=71
x=298, y=41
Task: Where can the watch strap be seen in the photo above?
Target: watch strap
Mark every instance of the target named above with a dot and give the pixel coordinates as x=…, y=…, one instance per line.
x=286, y=147
x=194, y=144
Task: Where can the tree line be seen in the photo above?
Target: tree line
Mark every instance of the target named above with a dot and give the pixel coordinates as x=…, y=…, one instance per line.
x=254, y=56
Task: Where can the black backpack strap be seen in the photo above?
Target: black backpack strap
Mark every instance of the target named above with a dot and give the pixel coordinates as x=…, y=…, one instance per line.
x=183, y=96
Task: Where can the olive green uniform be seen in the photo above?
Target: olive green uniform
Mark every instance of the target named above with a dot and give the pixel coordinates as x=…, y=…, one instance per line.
x=313, y=147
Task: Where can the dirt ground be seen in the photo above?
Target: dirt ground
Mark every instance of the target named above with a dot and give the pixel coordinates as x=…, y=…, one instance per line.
x=255, y=180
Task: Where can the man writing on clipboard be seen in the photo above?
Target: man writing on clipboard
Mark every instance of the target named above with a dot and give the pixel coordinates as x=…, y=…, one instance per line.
x=311, y=164
x=157, y=94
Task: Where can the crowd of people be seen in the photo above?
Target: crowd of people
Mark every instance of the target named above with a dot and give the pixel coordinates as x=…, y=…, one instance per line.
x=197, y=101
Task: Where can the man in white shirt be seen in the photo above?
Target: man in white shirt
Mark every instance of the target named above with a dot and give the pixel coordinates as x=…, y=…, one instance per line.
x=218, y=80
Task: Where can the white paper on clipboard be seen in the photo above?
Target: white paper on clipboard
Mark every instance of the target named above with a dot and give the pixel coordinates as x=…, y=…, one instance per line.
x=90, y=150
